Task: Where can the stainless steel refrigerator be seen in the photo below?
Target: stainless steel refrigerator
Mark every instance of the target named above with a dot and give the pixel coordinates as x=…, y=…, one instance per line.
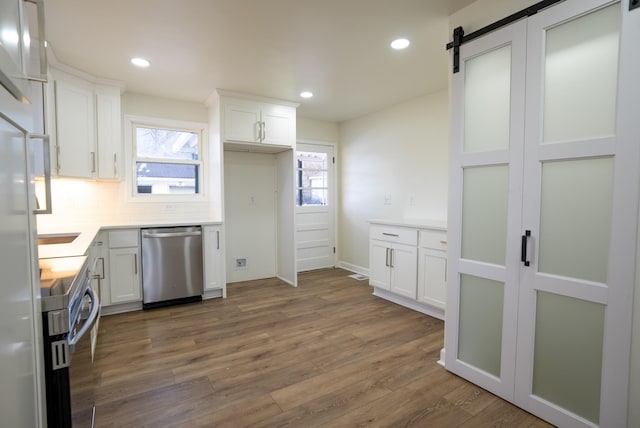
x=21, y=366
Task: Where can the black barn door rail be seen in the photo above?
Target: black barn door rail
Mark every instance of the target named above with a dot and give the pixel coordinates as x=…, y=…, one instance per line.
x=459, y=37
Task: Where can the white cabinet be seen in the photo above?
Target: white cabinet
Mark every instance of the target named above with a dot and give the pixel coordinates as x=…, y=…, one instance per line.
x=108, y=132
x=124, y=267
x=393, y=267
x=393, y=259
x=407, y=265
x=432, y=268
x=75, y=130
x=87, y=128
x=213, y=254
x=255, y=122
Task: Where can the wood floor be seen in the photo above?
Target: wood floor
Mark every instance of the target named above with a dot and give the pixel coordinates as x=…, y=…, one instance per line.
x=327, y=353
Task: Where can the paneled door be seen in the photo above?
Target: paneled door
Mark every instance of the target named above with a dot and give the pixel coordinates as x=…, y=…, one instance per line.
x=543, y=269
x=315, y=206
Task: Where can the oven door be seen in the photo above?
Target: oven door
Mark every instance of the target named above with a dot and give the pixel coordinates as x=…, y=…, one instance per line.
x=82, y=375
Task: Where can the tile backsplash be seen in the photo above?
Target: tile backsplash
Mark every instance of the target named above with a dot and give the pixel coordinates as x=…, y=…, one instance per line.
x=78, y=202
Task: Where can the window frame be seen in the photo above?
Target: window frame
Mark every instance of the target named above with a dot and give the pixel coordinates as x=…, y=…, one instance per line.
x=131, y=123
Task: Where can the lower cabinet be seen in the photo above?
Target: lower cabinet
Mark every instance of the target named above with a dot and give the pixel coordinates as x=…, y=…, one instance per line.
x=407, y=265
x=124, y=269
x=393, y=267
x=213, y=254
x=122, y=279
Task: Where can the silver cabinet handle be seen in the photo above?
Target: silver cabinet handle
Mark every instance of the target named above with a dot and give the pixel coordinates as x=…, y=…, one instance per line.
x=386, y=261
x=115, y=165
x=259, y=125
x=264, y=131
x=390, y=234
x=93, y=162
x=57, y=159
x=46, y=154
x=443, y=241
x=391, y=258
x=218, y=238
x=135, y=263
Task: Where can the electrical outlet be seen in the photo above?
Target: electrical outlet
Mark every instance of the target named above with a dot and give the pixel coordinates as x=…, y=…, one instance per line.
x=240, y=263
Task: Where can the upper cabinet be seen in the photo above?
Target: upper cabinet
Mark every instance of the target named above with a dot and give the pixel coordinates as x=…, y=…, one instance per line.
x=256, y=122
x=87, y=122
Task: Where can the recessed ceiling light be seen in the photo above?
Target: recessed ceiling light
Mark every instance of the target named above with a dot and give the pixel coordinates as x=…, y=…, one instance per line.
x=140, y=62
x=306, y=94
x=399, y=44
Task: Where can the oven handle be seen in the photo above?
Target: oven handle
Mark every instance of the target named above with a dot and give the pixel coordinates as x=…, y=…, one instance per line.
x=91, y=319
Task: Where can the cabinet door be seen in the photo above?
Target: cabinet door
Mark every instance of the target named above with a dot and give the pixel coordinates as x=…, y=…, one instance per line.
x=124, y=267
x=379, y=269
x=404, y=260
x=75, y=133
x=213, y=258
x=241, y=121
x=278, y=123
x=108, y=133
x=432, y=277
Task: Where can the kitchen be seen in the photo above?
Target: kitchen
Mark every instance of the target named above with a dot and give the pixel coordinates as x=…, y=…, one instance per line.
x=417, y=188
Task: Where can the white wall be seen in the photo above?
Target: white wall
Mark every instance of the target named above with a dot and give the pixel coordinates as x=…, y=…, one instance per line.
x=146, y=105
x=319, y=130
x=401, y=152
x=484, y=12
x=250, y=214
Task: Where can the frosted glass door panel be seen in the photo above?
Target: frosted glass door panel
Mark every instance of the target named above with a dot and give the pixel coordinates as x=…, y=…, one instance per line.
x=575, y=223
x=580, y=75
x=480, y=334
x=568, y=353
x=484, y=213
x=487, y=101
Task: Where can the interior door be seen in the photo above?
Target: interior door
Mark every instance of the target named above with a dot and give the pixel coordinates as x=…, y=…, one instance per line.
x=485, y=209
x=575, y=307
x=544, y=211
x=315, y=207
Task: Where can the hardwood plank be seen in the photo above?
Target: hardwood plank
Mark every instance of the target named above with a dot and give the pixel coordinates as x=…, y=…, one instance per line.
x=327, y=353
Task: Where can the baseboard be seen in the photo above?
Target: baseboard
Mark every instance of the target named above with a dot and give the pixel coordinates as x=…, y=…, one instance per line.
x=409, y=303
x=353, y=268
x=212, y=294
x=120, y=308
x=286, y=280
x=441, y=360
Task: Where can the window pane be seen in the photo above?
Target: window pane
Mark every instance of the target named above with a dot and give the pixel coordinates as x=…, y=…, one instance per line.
x=312, y=160
x=487, y=101
x=166, y=144
x=166, y=178
x=307, y=197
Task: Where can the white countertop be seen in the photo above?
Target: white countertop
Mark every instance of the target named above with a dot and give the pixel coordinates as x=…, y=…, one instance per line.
x=417, y=223
x=87, y=233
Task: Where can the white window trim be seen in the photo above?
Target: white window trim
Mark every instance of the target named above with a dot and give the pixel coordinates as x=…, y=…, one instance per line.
x=130, y=122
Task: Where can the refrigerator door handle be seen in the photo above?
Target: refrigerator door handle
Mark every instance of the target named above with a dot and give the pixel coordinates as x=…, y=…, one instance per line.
x=46, y=155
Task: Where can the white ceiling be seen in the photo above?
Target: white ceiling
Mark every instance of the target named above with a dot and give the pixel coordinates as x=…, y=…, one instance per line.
x=338, y=49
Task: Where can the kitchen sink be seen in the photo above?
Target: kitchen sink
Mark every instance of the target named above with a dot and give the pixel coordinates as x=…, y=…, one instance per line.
x=58, y=238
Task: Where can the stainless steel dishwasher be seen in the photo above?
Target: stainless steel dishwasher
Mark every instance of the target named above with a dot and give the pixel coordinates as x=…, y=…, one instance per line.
x=171, y=266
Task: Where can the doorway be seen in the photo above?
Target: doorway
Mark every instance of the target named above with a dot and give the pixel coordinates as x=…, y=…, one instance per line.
x=315, y=206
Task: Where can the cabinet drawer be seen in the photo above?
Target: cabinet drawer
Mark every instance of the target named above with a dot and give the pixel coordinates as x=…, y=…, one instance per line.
x=434, y=239
x=402, y=235
x=124, y=238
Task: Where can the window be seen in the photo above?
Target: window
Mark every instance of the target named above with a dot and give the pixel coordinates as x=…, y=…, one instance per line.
x=167, y=161
x=313, y=187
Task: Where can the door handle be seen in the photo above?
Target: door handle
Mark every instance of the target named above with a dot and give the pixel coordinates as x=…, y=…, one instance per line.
x=46, y=155
x=218, y=238
x=523, y=249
